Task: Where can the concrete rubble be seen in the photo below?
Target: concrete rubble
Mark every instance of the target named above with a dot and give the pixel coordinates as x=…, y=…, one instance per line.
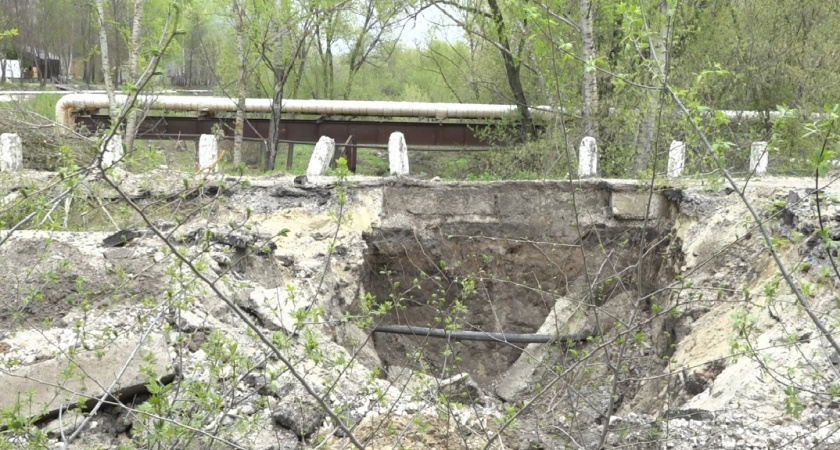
x=76, y=312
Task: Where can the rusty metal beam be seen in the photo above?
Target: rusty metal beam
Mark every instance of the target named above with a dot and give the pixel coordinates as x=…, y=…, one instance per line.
x=446, y=134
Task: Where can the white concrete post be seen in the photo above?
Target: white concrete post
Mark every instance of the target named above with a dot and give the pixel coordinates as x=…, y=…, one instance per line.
x=398, y=154
x=676, y=159
x=112, y=152
x=758, y=158
x=588, y=158
x=208, y=153
x=321, y=157
x=11, y=152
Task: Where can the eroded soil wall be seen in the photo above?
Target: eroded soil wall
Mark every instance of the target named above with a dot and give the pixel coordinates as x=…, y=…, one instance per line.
x=496, y=261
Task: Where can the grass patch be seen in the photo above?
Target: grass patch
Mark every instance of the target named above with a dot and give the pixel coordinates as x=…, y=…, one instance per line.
x=303, y=153
x=369, y=162
x=42, y=104
x=147, y=156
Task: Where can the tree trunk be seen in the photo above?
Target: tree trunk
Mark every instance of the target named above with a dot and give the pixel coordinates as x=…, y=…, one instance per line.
x=279, y=74
x=133, y=73
x=300, y=72
x=275, y=122
x=17, y=43
x=330, y=69
x=512, y=70
x=239, y=127
x=106, y=63
x=87, y=65
x=590, y=75
x=190, y=59
x=43, y=71
x=658, y=58
x=117, y=68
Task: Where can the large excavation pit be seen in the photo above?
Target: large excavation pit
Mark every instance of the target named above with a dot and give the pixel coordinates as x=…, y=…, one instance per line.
x=473, y=274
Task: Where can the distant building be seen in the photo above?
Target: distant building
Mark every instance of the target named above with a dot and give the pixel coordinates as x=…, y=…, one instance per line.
x=45, y=65
x=11, y=68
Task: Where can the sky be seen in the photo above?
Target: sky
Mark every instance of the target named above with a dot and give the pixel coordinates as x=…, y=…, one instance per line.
x=431, y=23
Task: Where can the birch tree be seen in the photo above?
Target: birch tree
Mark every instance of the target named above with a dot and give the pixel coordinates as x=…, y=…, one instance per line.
x=133, y=71
x=106, y=62
x=590, y=79
x=656, y=43
x=242, y=85
x=277, y=66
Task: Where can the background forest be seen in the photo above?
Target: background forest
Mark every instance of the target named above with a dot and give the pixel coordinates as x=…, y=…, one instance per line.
x=603, y=62
x=255, y=300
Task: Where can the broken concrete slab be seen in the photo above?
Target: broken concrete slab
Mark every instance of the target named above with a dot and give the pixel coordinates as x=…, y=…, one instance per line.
x=634, y=205
x=191, y=321
x=464, y=208
x=689, y=414
x=64, y=381
x=407, y=379
x=460, y=388
x=66, y=425
x=297, y=410
x=565, y=318
x=269, y=437
x=240, y=239
x=275, y=308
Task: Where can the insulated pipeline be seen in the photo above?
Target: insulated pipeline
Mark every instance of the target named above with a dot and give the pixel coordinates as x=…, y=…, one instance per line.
x=512, y=338
x=71, y=103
